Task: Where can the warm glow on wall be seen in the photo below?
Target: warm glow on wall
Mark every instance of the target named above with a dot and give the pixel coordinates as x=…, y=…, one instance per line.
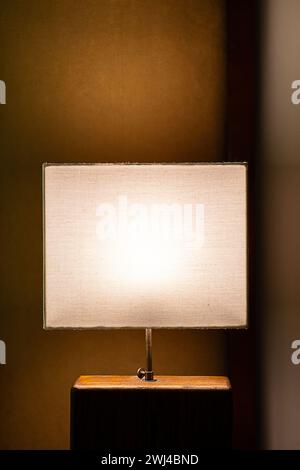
x=145, y=245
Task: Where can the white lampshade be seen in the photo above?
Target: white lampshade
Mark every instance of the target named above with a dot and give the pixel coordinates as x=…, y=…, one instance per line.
x=145, y=246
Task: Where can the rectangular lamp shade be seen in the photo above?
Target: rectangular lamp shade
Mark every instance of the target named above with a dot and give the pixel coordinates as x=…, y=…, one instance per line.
x=145, y=245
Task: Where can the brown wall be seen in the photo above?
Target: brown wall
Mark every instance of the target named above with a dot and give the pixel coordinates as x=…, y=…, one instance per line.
x=94, y=81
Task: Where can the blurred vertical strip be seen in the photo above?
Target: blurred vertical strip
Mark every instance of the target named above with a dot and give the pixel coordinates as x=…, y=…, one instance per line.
x=280, y=227
x=241, y=145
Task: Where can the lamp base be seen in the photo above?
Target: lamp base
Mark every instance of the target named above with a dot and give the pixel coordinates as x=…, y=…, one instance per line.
x=175, y=412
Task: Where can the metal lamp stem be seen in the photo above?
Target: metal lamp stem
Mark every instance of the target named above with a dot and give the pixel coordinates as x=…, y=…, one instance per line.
x=147, y=374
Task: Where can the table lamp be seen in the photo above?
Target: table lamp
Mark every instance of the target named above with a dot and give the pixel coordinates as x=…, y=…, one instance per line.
x=145, y=246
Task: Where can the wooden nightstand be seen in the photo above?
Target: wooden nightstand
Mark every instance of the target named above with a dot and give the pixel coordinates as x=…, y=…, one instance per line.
x=126, y=413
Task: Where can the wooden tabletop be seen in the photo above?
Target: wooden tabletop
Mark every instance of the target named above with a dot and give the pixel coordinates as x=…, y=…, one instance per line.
x=167, y=382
